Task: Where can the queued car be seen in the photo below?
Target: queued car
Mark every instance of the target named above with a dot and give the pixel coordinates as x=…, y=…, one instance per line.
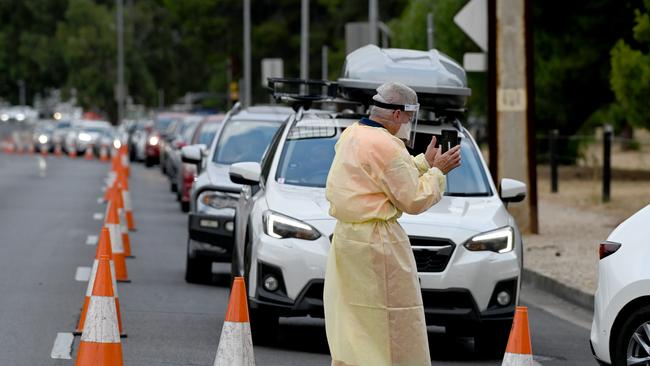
x=244, y=136
x=179, y=137
x=156, y=134
x=86, y=134
x=467, y=247
x=620, y=331
x=61, y=129
x=137, y=140
x=203, y=136
x=42, y=137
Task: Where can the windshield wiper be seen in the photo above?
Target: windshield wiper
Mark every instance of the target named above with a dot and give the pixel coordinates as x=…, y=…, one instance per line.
x=464, y=194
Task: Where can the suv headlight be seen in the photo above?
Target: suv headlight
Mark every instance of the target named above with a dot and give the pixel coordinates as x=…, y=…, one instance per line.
x=218, y=200
x=498, y=241
x=281, y=227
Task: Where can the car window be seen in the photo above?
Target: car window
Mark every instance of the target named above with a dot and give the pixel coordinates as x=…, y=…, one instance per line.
x=270, y=154
x=162, y=124
x=207, y=133
x=307, y=155
x=244, y=141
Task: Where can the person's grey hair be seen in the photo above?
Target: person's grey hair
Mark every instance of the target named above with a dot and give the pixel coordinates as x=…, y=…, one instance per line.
x=394, y=93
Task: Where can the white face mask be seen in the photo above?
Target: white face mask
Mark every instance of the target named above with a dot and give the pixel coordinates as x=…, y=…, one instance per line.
x=404, y=131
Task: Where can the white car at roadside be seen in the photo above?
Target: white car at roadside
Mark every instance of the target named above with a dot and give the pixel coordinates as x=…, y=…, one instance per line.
x=468, y=248
x=620, y=332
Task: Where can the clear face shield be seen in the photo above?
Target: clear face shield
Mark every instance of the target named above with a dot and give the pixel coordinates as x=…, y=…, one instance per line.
x=407, y=130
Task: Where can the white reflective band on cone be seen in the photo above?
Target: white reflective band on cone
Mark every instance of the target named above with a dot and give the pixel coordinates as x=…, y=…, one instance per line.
x=126, y=197
x=125, y=161
x=113, y=277
x=513, y=359
x=235, y=345
x=93, y=275
x=116, y=238
x=122, y=216
x=101, y=321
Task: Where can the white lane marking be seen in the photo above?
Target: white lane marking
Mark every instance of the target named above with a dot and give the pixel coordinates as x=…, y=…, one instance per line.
x=62, y=346
x=100, y=200
x=83, y=274
x=98, y=216
x=91, y=240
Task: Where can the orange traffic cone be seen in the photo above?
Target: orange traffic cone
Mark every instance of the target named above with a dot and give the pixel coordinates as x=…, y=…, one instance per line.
x=72, y=153
x=126, y=198
x=44, y=151
x=31, y=149
x=20, y=149
x=103, y=153
x=123, y=152
x=58, y=151
x=100, y=341
x=103, y=248
x=236, y=345
x=89, y=153
x=119, y=200
x=117, y=246
x=519, y=349
x=9, y=147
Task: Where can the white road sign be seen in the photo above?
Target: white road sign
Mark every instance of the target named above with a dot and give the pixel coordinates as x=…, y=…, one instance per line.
x=472, y=19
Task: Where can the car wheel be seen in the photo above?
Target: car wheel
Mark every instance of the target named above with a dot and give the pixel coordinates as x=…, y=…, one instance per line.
x=632, y=345
x=172, y=187
x=264, y=326
x=148, y=162
x=491, y=339
x=197, y=269
x=185, y=206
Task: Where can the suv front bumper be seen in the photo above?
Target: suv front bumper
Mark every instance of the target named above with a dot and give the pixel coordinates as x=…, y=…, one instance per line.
x=211, y=236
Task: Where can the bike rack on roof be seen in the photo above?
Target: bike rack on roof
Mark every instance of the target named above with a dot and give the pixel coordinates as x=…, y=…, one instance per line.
x=299, y=93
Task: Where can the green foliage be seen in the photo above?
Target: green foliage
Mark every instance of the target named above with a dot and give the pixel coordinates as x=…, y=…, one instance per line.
x=410, y=31
x=630, y=75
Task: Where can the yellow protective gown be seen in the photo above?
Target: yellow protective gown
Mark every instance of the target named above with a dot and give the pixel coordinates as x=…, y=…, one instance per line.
x=372, y=299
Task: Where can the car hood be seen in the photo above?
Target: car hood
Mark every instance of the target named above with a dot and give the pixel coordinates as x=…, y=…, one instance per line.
x=218, y=176
x=467, y=214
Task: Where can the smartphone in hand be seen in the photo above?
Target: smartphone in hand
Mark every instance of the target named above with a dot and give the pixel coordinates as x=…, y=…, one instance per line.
x=448, y=139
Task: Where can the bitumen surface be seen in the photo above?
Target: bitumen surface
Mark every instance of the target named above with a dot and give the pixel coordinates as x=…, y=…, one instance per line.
x=49, y=210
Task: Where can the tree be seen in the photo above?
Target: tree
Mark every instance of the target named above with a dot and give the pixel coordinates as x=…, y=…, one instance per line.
x=630, y=75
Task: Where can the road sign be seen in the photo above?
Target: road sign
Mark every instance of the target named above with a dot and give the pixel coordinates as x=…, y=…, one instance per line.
x=272, y=68
x=475, y=61
x=473, y=20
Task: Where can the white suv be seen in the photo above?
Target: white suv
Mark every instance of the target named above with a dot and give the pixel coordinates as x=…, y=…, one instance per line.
x=620, y=332
x=467, y=247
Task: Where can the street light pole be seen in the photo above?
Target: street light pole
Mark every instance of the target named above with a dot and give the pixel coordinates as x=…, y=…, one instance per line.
x=372, y=21
x=247, y=53
x=120, y=61
x=430, y=30
x=304, y=40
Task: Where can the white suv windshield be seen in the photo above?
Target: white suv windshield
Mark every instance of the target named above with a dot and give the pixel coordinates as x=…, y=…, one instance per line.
x=306, y=160
x=244, y=141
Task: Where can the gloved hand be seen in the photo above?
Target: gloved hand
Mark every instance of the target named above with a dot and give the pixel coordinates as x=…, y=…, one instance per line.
x=445, y=162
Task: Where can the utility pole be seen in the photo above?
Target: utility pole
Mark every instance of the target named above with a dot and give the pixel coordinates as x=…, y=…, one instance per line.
x=324, y=63
x=430, y=30
x=22, y=95
x=247, y=54
x=372, y=21
x=120, y=61
x=511, y=102
x=304, y=40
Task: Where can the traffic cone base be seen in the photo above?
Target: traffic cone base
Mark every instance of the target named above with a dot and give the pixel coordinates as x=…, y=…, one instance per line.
x=519, y=349
x=105, y=354
x=236, y=344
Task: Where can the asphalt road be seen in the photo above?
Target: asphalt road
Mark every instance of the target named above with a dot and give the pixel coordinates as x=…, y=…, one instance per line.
x=47, y=209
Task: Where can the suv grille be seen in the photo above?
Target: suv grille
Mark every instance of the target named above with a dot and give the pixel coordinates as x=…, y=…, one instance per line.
x=431, y=254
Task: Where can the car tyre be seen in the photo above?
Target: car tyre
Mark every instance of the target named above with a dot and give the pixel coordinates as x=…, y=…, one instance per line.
x=491, y=339
x=148, y=162
x=185, y=206
x=197, y=269
x=637, y=323
x=264, y=326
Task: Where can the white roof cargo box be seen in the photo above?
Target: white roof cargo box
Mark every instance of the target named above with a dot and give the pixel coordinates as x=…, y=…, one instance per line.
x=440, y=82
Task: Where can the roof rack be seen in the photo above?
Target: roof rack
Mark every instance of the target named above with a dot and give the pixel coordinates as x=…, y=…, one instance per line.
x=302, y=93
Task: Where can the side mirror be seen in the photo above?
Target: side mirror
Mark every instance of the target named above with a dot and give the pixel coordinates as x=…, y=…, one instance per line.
x=512, y=190
x=246, y=173
x=192, y=154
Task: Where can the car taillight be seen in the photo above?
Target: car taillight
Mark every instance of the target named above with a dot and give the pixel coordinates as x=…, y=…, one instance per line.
x=608, y=248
